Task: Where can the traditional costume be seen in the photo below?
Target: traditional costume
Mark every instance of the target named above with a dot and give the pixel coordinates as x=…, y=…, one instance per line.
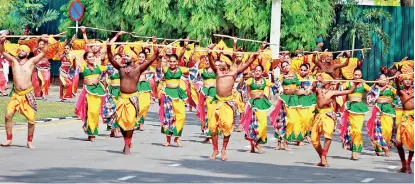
x=172, y=104
x=89, y=104
x=255, y=119
x=353, y=118
x=285, y=118
x=41, y=77
x=145, y=91
x=127, y=111
x=307, y=103
x=205, y=108
x=110, y=103
x=405, y=132
x=66, y=76
x=223, y=116
x=3, y=81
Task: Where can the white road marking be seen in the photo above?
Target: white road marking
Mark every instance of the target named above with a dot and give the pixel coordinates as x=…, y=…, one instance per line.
x=248, y=146
x=175, y=165
x=125, y=178
x=392, y=167
x=367, y=180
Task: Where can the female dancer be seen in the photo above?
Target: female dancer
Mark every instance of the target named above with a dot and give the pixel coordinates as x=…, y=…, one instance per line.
x=88, y=106
x=255, y=119
x=353, y=116
x=67, y=73
x=172, y=102
x=144, y=91
x=382, y=122
x=285, y=117
x=307, y=100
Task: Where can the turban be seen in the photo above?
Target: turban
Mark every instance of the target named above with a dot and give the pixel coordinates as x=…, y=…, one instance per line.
x=131, y=53
x=23, y=48
x=406, y=76
x=319, y=40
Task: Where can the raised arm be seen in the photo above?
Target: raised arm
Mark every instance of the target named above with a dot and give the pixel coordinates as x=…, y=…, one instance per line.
x=186, y=42
x=37, y=58
x=116, y=36
x=244, y=66
x=398, y=86
x=211, y=60
x=3, y=52
x=341, y=65
x=110, y=58
x=146, y=64
x=314, y=60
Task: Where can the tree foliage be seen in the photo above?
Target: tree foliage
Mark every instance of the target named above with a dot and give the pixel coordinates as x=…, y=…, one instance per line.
x=303, y=21
x=30, y=13
x=199, y=19
x=360, y=25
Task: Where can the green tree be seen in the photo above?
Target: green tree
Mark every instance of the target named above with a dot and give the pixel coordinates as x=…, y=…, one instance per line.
x=361, y=25
x=303, y=21
x=31, y=13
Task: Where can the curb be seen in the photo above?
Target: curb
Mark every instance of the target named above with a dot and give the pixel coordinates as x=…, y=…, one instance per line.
x=54, y=119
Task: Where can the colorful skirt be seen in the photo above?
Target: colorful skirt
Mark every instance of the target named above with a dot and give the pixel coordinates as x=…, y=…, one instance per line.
x=172, y=111
x=88, y=107
x=381, y=126
x=351, y=126
x=255, y=120
x=405, y=133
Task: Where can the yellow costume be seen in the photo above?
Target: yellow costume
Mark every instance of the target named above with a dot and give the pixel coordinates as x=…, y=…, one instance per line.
x=323, y=124
x=353, y=119
x=127, y=110
x=24, y=103
x=222, y=118
x=405, y=134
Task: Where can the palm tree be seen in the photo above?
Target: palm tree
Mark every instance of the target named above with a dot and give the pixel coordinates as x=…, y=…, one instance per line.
x=357, y=24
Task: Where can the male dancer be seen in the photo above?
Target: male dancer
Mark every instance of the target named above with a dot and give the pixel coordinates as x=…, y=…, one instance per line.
x=405, y=132
x=223, y=118
x=324, y=120
x=127, y=105
x=22, y=99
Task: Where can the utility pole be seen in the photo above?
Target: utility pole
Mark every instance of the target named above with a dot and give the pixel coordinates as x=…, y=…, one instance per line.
x=275, y=28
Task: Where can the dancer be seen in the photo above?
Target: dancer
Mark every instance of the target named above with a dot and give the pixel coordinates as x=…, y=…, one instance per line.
x=67, y=73
x=127, y=104
x=324, y=121
x=307, y=100
x=109, y=109
x=324, y=65
x=88, y=106
x=172, y=102
x=285, y=117
x=255, y=119
x=144, y=90
x=223, y=117
x=353, y=117
x=405, y=133
x=22, y=99
x=382, y=122
x=41, y=75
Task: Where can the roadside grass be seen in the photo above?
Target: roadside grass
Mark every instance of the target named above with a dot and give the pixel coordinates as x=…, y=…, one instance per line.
x=46, y=109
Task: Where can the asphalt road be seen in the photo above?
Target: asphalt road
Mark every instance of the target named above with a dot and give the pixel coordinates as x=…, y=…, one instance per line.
x=62, y=154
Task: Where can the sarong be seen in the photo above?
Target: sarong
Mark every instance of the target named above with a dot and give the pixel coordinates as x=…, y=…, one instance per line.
x=127, y=110
x=405, y=134
x=223, y=117
x=23, y=102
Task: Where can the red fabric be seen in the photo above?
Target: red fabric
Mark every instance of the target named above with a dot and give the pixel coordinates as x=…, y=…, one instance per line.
x=225, y=144
x=80, y=109
x=190, y=100
x=324, y=153
x=30, y=138
x=201, y=113
x=246, y=119
x=153, y=87
x=215, y=144
x=66, y=93
x=274, y=114
x=370, y=125
x=168, y=138
x=2, y=82
x=75, y=83
x=343, y=124
x=127, y=141
x=9, y=137
x=36, y=83
x=46, y=77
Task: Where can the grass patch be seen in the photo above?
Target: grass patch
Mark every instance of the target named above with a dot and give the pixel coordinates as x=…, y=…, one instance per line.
x=45, y=109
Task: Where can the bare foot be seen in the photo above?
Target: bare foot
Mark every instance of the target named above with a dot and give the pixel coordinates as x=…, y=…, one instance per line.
x=320, y=164
x=286, y=148
x=402, y=170
x=127, y=150
x=409, y=169
x=259, y=149
x=92, y=139
x=377, y=154
x=354, y=158
x=300, y=143
x=252, y=150
x=30, y=145
x=206, y=140
x=224, y=155
x=387, y=153
x=214, y=155
x=141, y=127
x=239, y=128
x=7, y=143
x=177, y=141
x=166, y=144
x=308, y=139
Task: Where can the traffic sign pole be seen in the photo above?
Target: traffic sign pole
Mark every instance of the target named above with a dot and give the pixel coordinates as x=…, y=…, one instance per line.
x=77, y=28
x=76, y=11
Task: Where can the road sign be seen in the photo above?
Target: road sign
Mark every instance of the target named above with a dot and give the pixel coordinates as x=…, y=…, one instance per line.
x=76, y=10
